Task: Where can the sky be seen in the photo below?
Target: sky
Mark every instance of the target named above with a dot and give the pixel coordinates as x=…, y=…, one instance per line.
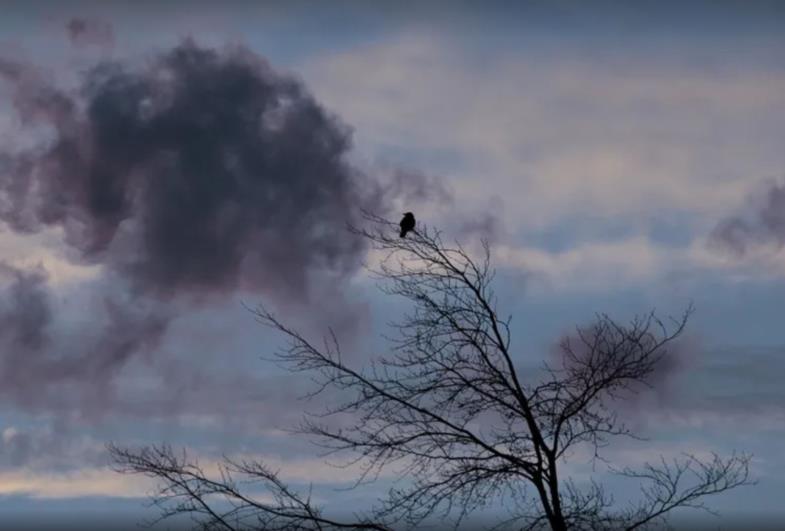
x=619, y=156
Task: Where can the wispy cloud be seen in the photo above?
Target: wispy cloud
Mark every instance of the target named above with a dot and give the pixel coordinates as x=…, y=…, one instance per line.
x=74, y=484
x=558, y=134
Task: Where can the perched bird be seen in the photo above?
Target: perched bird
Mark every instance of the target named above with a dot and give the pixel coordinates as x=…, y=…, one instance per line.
x=407, y=223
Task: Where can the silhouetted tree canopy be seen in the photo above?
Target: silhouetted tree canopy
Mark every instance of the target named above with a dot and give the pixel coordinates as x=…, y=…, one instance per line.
x=448, y=408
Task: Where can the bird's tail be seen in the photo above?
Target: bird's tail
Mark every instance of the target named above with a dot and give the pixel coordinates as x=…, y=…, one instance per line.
x=403, y=233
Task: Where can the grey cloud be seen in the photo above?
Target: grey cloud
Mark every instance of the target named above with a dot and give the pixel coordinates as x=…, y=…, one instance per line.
x=25, y=315
x=486, y=223
x=407, y=186
x=203, y=171
x=407, y=189
x=52, y=448
x=764, y=224
x=88, y=370
x=191, y=176
x=46, y=367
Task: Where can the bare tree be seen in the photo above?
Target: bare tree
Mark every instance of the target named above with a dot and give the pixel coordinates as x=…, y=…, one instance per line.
x=449, y=411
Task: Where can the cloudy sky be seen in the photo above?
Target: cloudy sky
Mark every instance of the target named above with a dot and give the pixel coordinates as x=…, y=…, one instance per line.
x=620, y=157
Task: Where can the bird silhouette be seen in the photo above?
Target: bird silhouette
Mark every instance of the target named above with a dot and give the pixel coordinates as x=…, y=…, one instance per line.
x=407, y=223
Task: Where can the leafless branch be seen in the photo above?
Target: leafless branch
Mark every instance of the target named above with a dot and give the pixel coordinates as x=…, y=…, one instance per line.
x=260, y=500
x=447, y=411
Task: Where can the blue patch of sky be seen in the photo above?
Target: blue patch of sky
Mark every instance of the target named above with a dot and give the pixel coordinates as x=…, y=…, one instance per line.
x=744, y=313
x=613, y=30
x=442, y=162
x=672, y=229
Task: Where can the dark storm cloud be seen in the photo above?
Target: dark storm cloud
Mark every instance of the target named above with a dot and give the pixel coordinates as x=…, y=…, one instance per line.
x=190, y=176
x=201, y=171
x=764, y=225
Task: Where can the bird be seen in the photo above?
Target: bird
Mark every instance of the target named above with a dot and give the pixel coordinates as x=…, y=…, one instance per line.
x=407, y=223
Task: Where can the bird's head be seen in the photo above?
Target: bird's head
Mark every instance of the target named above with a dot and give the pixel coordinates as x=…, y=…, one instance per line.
x=408, y=214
